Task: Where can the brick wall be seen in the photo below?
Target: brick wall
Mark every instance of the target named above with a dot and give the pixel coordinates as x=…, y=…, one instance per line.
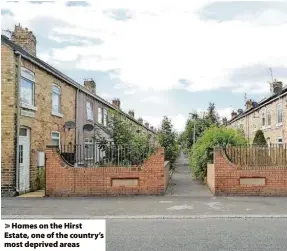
x=8, y=121
x=64, y=180
x=41, y=125
x=44, y=123
x=230, y=179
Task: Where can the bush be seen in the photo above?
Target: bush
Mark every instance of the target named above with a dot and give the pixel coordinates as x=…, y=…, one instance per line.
x=259, y=138
x=202, y=151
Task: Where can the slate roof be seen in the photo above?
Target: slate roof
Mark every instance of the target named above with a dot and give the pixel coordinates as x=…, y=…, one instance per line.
x=68, y=80
x=258, y=105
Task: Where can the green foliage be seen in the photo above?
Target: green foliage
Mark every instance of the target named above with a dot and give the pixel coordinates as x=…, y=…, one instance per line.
x=201, y=153
x=197, y=125
x=259, y=138
x=168, y=140
x=129, y=146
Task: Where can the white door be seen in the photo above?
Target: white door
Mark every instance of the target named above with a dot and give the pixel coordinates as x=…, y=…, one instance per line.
x=24, y=160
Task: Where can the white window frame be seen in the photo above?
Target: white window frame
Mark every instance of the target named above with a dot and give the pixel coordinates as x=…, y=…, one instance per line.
x=100, y=115
x=89, y=109
x=56, y=138
x=105, y=117
x=56, y=112
x=279, y=107
x=268, y=112
x=28, y=76
x=89, y=142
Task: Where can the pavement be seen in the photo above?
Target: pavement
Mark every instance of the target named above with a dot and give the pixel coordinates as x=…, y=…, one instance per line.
x=186, y=198
x=197, y=235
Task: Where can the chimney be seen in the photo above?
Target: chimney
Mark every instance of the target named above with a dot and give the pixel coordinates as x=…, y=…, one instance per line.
x=132, y=113
x=233, y=114
x=25, y=39
x=276, y=87
x=249, y=104
x=117, y=103
x=146, y=125
x=90, y=84
x=140, y=120
x=151, y=128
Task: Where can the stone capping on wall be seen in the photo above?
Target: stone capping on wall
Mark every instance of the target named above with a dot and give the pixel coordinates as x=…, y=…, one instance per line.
x=243, y=167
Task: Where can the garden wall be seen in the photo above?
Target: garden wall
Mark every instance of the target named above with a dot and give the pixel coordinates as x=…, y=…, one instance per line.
x=65, y=180
x=231, y=179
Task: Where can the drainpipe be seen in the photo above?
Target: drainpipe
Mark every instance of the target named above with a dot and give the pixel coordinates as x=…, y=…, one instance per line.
x=18, y=120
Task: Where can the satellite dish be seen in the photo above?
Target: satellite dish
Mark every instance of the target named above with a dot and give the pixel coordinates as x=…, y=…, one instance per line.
x=88, y=127
x=70, y=125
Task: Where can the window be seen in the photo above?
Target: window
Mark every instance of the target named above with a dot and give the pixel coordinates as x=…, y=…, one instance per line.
x=27, y=87
x=23, y=132
x=268, y=117
x=89, y=111
x=280, y=140
x=100, y=116
x=279, y=116
x=21, y=154
x=263, y=119
x=55, y=138
x=105, y=117
x=89, y=147
x=56, y=99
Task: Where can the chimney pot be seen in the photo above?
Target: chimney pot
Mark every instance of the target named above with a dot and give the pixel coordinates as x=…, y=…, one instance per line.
x=117, y=103
x=25, y=39
x=146, y=125
x=132, y=113
x=90, y=84
x=140, y=120
x=233, y=114
x=276, y=87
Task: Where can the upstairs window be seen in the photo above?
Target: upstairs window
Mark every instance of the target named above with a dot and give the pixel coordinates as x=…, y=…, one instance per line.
x=269, y=118
x=27, y=87
x=105, y=117
x=100, y=115
x=263, y=119
x=89, y=111
x=279, y=116
x=56, y=99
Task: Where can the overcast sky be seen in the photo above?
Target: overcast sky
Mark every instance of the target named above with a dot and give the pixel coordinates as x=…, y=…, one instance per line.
x=162, y=57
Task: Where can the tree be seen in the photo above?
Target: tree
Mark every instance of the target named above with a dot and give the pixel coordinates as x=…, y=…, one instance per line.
x=202, y=151
x=167, y=139
x=259, y=138
x=212, y=115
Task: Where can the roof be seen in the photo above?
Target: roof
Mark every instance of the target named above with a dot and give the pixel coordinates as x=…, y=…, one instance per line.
x=259, y=105
x=25, y=54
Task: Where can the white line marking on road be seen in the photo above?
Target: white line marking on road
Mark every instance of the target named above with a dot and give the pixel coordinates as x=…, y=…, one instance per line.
x=181, y=207
x=165, y=201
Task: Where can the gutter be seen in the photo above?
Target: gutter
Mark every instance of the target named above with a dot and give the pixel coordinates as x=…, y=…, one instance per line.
x=78, y=86
x=260, y=106
x=18, y=121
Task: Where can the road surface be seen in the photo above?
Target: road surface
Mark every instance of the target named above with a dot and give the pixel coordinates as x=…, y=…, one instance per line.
x=200, y=234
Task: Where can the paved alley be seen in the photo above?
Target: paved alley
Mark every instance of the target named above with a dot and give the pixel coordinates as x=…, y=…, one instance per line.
x=183, y=184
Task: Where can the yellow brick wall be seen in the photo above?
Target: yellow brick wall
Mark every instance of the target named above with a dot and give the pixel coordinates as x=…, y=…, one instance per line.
x=253, y=122
x=8, y=119
x=44, y=122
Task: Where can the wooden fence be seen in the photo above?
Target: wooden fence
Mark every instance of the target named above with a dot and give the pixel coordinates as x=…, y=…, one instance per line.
x=257, y=155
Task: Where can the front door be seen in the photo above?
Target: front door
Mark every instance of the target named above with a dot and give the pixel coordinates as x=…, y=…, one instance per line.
x=24, y=160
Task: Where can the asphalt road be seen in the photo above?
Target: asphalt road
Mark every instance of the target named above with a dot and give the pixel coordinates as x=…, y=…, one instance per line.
x=197, y=234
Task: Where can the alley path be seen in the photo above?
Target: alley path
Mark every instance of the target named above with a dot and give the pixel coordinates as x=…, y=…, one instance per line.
x=183, y=184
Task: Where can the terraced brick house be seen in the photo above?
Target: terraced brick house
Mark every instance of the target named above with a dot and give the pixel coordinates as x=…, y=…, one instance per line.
x=268, y=115
x=38, y=102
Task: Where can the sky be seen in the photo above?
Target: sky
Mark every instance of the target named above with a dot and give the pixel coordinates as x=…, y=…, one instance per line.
x=162, y=58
